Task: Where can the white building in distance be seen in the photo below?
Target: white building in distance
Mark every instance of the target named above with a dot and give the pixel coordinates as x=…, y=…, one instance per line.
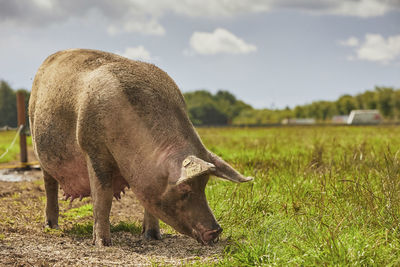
x=366, y=116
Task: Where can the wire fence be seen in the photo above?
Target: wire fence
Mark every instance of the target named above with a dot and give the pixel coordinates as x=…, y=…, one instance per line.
x=13, y=142
x=8, y=128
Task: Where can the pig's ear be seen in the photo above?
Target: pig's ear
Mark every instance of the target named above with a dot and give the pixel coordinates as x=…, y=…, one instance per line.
x=192, y=167
x=225, y=171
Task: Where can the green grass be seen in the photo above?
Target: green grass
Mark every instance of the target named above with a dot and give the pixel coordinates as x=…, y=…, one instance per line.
x=81, y=229
x=86, y=229
x=321, y=195
x=132, y=228
x=78, y=213
x=5, y=140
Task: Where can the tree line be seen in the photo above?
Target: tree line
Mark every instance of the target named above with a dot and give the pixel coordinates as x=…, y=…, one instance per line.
x=385, y=99
x=223, y=108
x=8, y=104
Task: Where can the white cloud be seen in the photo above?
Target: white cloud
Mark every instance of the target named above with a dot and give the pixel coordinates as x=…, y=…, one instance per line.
x=136, y=53
x=361, y=8
x=217, y=8
x=46, y=4
x=144, y=16
x=224, y=8
x=219, y=41
x=376, y=48
x=151, y=27
x=351, y=42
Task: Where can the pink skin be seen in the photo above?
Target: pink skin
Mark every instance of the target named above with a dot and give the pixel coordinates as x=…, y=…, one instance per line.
x=101, y=122
x=166, y=202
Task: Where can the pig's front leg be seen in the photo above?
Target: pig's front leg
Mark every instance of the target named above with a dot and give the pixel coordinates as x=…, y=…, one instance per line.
x=151, y=227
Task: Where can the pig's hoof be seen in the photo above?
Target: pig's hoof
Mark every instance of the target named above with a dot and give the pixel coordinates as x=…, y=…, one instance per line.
x=50, y=225
x=152, y=234
x=102, y=242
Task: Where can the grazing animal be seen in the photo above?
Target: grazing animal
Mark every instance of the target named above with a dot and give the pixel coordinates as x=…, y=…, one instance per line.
x=101, y=122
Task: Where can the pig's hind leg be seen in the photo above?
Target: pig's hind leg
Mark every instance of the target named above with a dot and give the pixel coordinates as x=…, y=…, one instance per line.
x=151, y=227
x=52, y=210
x=101, y=190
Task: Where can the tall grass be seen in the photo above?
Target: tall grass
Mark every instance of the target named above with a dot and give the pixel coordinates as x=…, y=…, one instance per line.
x=321, y=195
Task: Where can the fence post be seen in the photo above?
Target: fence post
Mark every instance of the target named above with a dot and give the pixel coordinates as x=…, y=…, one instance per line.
x=22, y=121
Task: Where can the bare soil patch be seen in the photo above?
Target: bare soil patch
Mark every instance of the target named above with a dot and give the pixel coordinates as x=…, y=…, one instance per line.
x=25, y=242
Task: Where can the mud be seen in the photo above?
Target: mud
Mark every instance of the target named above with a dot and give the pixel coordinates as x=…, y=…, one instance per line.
x=16, y=176
x=25, y=242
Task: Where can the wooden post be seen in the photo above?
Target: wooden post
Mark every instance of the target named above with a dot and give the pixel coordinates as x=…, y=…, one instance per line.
x=22, y=121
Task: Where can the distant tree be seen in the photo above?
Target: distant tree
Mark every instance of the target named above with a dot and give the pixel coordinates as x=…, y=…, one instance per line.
x=247, y=117
x=8, y=105
x=196, y=102
x=229, y=105
x=207, y=114
x=207, y=109
x=367, y=100
x=299, y=112
x=8, y=109
x=345, y=104
x=385, y=102
x=322, y=110
x=222, y=95
x=192, y=98
x=396, y=104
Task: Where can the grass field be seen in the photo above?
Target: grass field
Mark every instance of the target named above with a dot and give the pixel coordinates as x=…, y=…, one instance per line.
x=321, y=195
x=5, y=140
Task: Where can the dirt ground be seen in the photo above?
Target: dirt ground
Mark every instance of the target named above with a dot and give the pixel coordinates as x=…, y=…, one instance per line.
x=25, y=242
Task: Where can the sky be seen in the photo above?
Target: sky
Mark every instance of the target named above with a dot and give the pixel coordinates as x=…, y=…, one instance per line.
x=268, y=53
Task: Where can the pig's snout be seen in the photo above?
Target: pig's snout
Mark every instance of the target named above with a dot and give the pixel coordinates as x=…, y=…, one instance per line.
x=211, y=235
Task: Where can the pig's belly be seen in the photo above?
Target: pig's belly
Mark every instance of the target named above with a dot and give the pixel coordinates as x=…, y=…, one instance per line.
x=73, y=178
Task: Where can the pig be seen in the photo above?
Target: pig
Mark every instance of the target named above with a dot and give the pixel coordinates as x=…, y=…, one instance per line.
x=101, y=123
